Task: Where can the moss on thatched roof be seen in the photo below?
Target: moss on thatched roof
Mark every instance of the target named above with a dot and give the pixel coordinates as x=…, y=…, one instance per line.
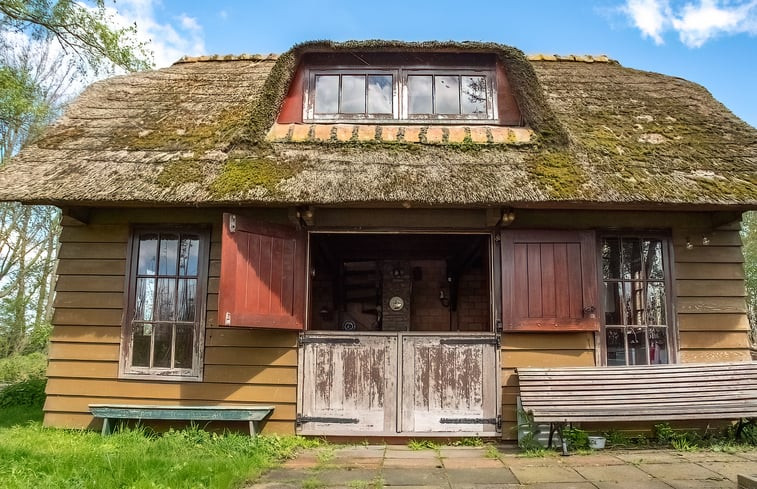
x=194, y=134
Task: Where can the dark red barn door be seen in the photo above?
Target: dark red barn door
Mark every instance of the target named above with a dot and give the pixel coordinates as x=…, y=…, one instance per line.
x=263, y=275
x=549, y=281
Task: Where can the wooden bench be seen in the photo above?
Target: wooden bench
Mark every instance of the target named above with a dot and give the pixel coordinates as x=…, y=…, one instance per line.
x=111, y=412
x=639, y=393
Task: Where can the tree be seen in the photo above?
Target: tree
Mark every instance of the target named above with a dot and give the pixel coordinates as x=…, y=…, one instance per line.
x=749, y=239
x=85, y=31
x=48, y=50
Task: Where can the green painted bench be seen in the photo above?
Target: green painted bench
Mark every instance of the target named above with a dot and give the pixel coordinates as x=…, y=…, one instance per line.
x=111, y=412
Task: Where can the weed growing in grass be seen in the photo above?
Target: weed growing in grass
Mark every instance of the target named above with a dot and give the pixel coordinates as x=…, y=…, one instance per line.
x=468, y=442
x=422, y=445
x=312, y=483
x=492, y=451
x=376, y=483
x=683, y=445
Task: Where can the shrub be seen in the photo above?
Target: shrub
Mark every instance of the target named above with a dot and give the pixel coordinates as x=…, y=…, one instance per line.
x=577, y=438
x=21, y=367
x=30, y=392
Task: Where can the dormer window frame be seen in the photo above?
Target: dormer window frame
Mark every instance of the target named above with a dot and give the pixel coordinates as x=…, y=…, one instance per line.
x=400, y=113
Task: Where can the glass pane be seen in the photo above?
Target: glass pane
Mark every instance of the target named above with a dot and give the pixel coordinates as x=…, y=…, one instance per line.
x=631, y=258
x=656, y=303
x=447, y=94
x=140, y=345
x=169, y=247
x=611, y=258
x=380, y=94
x=419, y=94
x=188, y=257
x=326, y=94
x=652, y=254
x=162, y=348
x=185, y=308
x=633, y=296
x=473, y=100
x=164, y=310
x=353, y=94
x=613, y=304
x=184, y=345
x=616, y=346
x=144, y=303
x=148, y=253
x=637, y=346
x=658, y=345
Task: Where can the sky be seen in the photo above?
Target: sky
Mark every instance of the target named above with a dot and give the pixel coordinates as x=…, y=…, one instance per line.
x=710, y=42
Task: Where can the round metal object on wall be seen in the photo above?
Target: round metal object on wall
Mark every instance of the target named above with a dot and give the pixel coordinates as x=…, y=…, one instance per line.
x=396, y=303
x=349, y=325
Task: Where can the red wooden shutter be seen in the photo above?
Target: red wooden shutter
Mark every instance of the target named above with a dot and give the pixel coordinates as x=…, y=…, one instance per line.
x=263, y=275
x=549, y=281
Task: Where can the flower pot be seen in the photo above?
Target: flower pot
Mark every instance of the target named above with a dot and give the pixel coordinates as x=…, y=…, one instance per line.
x=597, y=442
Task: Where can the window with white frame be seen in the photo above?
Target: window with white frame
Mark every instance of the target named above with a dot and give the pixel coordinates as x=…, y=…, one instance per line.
x=163, y=333
x=400, y=93
x=636, y=290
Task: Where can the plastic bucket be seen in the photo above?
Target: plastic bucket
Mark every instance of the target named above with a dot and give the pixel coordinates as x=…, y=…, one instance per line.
x=597, y=442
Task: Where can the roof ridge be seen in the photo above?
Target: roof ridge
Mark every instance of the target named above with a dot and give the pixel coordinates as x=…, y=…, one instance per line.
x=585, y=58
x=228, y=57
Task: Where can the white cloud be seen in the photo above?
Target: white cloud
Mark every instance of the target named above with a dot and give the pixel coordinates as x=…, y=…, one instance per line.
x=168, y=41
x=223, y=14
x=696, y=23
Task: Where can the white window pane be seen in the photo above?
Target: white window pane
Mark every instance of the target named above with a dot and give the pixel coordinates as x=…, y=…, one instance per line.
x=162, y=345
x=652, y=256
x=419, y=94
x=148, y=254
x=140, y=345
x=473, y=100
x=185, y=309
x=184, y=347
x=164, y=310
x=353, y=94
x=658, y=346
x=188, y=256
x=326, y=94
x=633, y=296
x=613, y=304
x=379, y=94
x=169, y=248
x=447, y=94
x=611, y=258
x=616, y=346
x=144, y=302
x=637, y=346
x=656, y=303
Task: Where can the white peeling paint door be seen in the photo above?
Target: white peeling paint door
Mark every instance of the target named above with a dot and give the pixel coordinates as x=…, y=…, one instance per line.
x=449, y=384
x=348, y=384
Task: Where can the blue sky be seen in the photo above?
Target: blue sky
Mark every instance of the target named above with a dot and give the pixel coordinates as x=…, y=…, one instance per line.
x=711, y=42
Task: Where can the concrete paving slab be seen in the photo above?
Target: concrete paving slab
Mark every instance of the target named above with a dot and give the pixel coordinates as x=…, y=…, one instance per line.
x=462, y=452
x=359, y=452
x=650, y=456
x=481, y=476
x=331, y=477
x=392, y=453
x=286, y=475
x=414, y=477
x=302, y=462
x=275, y=485
x=418, y=463
x=701, y=484
x=731, y=470
x=593, y=459
x=364, y=463
x=562, y=485
x=752, y=455
x=708, y=456
x=472, y=463
x=616, y=473
x=533, y=474
x=650, y=484
x=680, y=471
x=548, y=461
x=486, y=486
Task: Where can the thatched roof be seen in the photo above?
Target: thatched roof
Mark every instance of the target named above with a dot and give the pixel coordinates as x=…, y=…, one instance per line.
x=195, y=134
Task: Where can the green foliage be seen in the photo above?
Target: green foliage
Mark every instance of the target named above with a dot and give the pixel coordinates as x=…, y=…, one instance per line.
x=422, y=445
x=684, y=445
x=16, y=368
x=577, y=438
x=19, y=415
x=663, y=433
x=617, y=438
x=530, y=431
x=30, y=392
x=492, y=451
x=88, y=32
x=468, y=442
x=33, y=456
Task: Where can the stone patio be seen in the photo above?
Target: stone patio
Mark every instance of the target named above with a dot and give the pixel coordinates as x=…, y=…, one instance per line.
x=373, y=467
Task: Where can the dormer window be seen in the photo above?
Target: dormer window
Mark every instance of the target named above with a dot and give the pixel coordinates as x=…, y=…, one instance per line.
x=399, y=93
x=400, y=88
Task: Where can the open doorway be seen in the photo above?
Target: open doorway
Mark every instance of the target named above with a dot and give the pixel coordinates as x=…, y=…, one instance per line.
x=400, y=282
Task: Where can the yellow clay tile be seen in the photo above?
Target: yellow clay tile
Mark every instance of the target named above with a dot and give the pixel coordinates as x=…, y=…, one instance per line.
x=478, y=134
x=456, y=134
x=278, y=132
x=389, y=133
x=434, y=135
x=412, y=134
x=500, y=135
x=343, y=132
x=323, y=132
x=366, y=133
x=301, y=132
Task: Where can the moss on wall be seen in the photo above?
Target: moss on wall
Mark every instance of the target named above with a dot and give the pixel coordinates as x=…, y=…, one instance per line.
x=240, y=175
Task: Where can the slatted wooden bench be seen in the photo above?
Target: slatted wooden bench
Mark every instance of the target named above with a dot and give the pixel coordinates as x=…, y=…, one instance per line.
x=639, y=393
x=111, y=412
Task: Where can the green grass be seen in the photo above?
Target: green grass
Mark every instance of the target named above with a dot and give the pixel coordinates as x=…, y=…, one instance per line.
x=34, y=456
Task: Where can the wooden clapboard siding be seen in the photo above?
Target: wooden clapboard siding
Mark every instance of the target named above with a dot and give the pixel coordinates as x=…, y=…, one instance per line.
x=710, y=295
x=538, y=349
x=241, y=366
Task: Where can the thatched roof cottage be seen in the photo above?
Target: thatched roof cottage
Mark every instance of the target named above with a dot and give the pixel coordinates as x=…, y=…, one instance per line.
x=313, y=230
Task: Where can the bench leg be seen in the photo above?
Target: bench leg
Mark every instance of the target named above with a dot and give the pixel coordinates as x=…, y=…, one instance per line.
x=107, y=427
x=253, y=429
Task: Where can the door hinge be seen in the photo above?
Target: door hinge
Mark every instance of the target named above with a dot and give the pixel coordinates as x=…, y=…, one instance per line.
x=499, y=422
x=300, y=420
x=497, y=237
x=227, y=320
x=498, y=325
x=232, y=223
